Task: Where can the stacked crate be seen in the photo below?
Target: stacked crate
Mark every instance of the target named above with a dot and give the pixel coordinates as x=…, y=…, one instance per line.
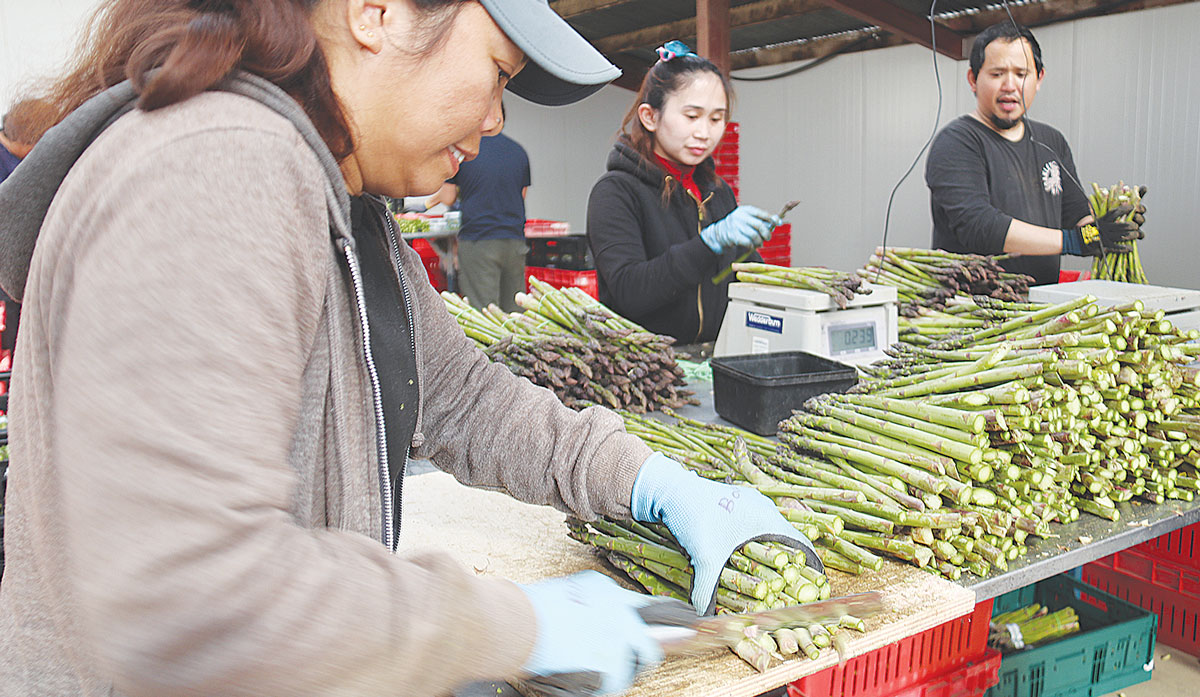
x=1162, y=576
x=777, y=250
x=559, y=258
x=431, y=262
x=950, y=660
x=1113, y=649
x=727, y=160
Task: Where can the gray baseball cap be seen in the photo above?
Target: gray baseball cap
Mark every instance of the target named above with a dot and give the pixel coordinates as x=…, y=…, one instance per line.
x=563, y=67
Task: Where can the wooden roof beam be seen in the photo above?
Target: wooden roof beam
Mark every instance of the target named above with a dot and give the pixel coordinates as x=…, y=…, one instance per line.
x=712, y=32
x=1035, y=15
x=573, y=8
x=740, y=16
x=900, y=21
x=812, y=49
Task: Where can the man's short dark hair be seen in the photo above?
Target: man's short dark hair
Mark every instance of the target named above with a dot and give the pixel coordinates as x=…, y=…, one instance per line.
x=1005, y=31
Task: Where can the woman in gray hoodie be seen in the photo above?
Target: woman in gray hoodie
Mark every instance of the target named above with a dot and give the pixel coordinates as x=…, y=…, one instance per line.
x=227, y=357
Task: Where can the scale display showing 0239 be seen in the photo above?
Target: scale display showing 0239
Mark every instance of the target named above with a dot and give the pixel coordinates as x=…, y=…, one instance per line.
x=848, y=338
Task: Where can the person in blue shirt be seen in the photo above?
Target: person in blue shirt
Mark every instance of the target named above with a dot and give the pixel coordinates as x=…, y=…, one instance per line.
x=490, y=189
x=20, y=128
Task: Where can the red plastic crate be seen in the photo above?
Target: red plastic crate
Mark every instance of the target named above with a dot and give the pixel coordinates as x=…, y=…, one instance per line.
x=1178, y=547
x=778, y=249
x=535, y=227
x=431, y=262
x=780, y=236
x=562, y=278
x=949, y=660
x=1065, y=276
x=726, y=156
x=1169, y=590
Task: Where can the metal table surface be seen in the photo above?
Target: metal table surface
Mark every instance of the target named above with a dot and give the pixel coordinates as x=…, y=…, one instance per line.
x=1085, y=540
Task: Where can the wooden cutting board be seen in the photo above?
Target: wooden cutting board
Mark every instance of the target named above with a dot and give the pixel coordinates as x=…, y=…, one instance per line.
x=497, y=535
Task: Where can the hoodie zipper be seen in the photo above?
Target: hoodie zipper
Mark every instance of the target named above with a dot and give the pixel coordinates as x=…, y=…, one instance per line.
x=385, y=483
x=393, y=244
x=699, y=288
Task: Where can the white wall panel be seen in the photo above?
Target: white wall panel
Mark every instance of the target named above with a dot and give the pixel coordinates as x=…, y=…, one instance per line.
x=812, y=149
x=36, y=39
x=567, y=148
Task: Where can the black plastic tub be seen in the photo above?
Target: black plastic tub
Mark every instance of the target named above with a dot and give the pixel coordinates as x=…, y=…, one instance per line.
x=758, y=391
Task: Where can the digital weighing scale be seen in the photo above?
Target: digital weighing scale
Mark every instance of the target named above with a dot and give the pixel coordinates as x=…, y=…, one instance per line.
x=1182, y=306
x=770, y=319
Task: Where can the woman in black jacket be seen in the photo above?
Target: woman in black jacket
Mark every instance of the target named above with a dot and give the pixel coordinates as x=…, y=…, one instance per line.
x=661, y=223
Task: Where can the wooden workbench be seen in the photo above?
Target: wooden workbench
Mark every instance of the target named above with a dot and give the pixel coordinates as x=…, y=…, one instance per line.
x=496, y=535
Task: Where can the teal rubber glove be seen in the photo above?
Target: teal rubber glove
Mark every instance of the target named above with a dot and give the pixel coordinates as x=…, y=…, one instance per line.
x=745, y=226
x=587, y=624
x=710, y=519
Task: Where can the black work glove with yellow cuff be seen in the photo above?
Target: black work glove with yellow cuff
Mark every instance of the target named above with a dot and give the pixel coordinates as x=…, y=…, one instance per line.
x=1108, y=235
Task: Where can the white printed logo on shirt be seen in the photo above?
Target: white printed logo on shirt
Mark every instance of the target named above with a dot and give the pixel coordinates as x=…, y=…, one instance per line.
x=1051, y=178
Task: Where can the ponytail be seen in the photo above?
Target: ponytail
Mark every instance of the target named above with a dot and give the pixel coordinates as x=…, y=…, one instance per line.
x=198, y=56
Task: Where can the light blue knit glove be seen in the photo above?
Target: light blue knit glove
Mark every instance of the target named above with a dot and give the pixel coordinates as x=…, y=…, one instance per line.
x=588, y=627
x=710, y=519
x=745, y=226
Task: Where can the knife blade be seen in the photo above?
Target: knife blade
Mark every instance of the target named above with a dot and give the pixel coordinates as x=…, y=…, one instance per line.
x=678, y=629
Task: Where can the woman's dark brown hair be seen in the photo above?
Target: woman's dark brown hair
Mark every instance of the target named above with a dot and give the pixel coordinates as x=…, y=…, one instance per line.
x=198, y=43
x=662, y=80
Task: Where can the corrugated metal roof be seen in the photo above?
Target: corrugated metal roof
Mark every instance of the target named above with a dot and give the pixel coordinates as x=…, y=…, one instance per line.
x=632, y=29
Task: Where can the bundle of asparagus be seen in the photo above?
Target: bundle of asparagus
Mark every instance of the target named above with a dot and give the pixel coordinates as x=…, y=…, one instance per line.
x=574, y=345
x=1019, y=416
x=406, y=225
x=928, y=278
x=818, y=500
x=760, y=576
x=1033, y=624
x=951, y=454
x=840, y=286
x=758, y=647
x=757, y=577
x=1126, y=268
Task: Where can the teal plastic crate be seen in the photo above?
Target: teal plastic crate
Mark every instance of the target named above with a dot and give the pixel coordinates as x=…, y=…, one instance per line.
x=1113, y=650
x=1014, y=600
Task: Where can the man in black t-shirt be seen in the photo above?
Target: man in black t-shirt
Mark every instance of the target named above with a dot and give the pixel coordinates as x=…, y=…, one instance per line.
x=1002, y=183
